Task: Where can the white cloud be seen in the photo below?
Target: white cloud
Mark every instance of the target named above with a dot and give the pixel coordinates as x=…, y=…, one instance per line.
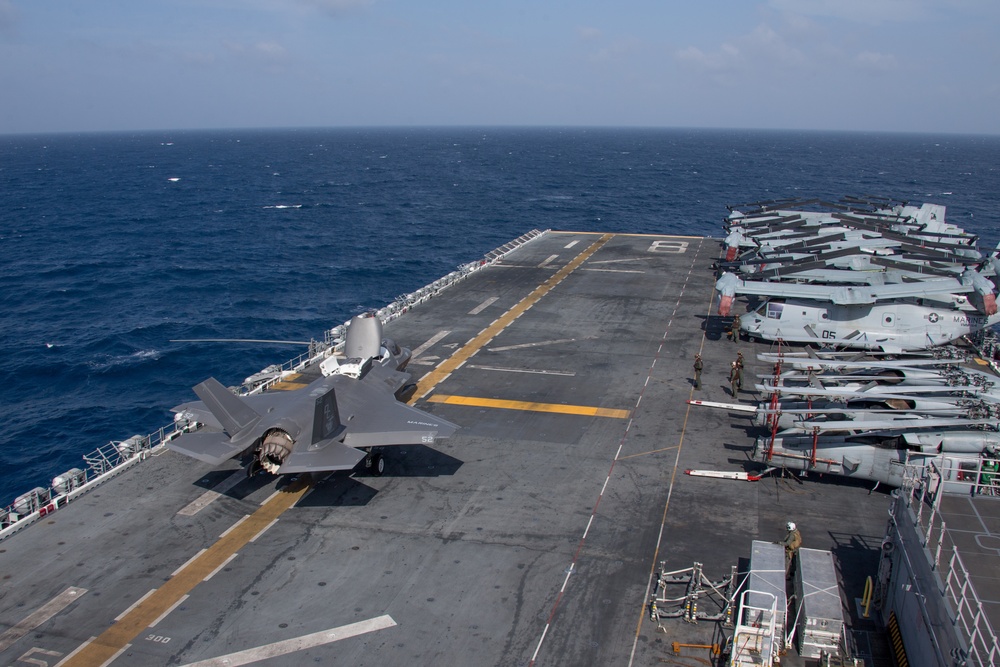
x=336, y=7
x=267, y=56
x=762, y=48
x=8, y=15
x=271, y=50
x=859, y=11
x=727, y=57
x=617, y=50
x=880, y=62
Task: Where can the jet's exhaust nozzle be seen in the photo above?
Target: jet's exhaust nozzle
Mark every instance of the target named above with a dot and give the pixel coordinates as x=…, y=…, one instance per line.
x=275, y=448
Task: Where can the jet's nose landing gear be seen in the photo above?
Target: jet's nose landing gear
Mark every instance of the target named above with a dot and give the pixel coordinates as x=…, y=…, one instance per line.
x=375, y=463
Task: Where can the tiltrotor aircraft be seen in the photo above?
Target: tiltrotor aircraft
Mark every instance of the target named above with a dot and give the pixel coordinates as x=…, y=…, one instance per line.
x=330, y=424
x=870, y=274
x=970, y=455
x=888, y=419
x=892, y=318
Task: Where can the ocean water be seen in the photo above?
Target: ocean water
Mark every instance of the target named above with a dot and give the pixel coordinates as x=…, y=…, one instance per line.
x=115, y=244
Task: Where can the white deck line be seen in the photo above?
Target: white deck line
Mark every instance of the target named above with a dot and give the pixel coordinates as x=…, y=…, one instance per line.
x=40, y=615
x=297, y=643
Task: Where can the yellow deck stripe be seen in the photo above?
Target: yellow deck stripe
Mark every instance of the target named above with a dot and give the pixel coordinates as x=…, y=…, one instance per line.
x=531, y=406
x=286, y=386
x=104, y=647
x=288, y=383
x=449, y=365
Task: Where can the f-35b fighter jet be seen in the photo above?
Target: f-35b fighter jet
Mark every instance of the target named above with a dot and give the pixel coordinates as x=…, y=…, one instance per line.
x=330, y=424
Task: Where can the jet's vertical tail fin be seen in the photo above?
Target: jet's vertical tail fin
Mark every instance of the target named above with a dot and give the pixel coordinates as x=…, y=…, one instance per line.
x=227, y=407
x=326, y=417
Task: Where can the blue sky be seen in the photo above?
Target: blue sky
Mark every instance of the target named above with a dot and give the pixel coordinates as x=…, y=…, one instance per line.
x=883, y=65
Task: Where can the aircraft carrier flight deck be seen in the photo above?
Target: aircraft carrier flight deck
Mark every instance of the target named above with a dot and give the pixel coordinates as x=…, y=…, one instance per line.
x=532, y=536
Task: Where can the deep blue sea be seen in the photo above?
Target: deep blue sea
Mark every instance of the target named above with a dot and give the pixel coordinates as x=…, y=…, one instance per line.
x=115, y=244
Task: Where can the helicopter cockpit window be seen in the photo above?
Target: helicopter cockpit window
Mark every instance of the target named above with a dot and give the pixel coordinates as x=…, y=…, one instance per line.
x=774, y=310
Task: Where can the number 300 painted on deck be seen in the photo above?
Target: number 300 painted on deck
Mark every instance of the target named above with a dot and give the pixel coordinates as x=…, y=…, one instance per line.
x=669, y=246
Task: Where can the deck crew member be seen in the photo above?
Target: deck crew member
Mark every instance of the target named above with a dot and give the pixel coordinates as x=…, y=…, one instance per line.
x=792, y=542
x=735, y=378
x=698, y=365
x=734, y=329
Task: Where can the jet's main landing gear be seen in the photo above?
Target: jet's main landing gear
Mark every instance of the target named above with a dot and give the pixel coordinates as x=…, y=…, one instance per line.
x=375, y=463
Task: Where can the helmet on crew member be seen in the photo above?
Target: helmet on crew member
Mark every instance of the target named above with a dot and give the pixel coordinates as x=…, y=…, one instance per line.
x=790, y=525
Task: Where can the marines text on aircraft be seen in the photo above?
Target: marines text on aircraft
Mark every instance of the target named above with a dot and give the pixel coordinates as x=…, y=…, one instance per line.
x=331, y=423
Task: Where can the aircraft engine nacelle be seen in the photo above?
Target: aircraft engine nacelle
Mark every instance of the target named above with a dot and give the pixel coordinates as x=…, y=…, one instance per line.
x=732, y=244
x=984, y=303
x=726, y=286
x=364, y=337
x=982, y=297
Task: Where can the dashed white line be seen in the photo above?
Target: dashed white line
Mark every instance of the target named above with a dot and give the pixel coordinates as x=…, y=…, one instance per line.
x=524, y=345
x=548, y=260
x=221, y=565
x=233, y=527
x=115, y=656
x=200, y=503
x=566, y=580
x=188, y=562
x=484, y=305
x=263, y=530
x=619, y=261
x=167, y=612
x=206, y=499
x=134, y=605
x=540, y=640
x=295, y=644
x=40, y=615
x=268, y=499
x=426, y=346
x=612, y=270
x=522, y=370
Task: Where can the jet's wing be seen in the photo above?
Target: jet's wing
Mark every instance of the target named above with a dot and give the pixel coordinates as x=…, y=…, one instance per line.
x=209, y=446
x=354, y=414
x=374, y=417
x=333, y=456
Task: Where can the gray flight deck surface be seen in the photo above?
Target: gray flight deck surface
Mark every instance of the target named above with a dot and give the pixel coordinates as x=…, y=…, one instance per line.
x=528, y=537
